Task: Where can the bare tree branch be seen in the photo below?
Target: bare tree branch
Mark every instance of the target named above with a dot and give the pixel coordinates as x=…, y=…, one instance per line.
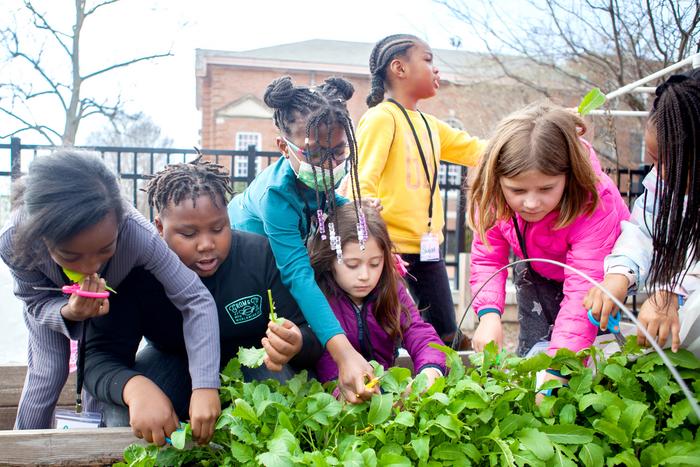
x=41, y=129
x=126, y=63
x=99, y=5
x=40, y=22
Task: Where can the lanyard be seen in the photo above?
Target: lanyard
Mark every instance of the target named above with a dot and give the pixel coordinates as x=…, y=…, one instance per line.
x=432, y=184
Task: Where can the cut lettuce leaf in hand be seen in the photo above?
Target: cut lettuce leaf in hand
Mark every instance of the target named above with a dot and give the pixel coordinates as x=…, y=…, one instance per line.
x=252, y=357
x=273, y=315
x=79, y=276
x=594, y=99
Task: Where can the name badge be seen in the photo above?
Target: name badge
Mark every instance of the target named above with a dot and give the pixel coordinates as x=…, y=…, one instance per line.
x=429, y=247
x=67, y=419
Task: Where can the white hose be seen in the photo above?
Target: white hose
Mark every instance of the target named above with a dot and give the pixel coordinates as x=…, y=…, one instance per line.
x=686, y=391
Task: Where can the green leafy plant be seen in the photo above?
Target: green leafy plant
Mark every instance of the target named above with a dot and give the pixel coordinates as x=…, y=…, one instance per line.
x=251, y=357
x=625, y=410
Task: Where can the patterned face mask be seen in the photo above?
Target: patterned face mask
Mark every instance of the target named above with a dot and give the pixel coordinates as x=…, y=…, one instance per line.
x=322, y=177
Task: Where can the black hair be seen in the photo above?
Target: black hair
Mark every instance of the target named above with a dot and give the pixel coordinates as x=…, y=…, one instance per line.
x=323, y=105
x=676, y=232
x=382, y=54
x=177, y=182
x=63, y=194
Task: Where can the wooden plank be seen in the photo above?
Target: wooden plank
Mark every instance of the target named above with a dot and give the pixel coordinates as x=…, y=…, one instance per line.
x=90, y=446
x=12, y=381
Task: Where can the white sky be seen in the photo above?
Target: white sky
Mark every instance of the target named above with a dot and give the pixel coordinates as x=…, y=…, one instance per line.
x=165, y=90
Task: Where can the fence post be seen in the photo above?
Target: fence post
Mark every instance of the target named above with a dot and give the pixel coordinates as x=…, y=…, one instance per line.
x=15, y=160
x=461, y=226
x=252, y=151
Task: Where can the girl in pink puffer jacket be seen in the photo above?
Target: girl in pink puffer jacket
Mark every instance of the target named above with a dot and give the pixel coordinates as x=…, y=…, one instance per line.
x=540, y=191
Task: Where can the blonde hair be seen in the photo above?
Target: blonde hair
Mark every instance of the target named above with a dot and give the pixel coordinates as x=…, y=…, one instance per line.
x=541, y=137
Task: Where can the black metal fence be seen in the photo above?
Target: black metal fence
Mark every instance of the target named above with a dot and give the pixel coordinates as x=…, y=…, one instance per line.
x=134, y=165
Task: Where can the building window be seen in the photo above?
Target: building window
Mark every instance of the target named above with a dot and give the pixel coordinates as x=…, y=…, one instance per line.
x=244, y=139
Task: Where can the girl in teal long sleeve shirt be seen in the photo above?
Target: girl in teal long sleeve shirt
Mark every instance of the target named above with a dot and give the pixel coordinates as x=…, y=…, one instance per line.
x=286, y=200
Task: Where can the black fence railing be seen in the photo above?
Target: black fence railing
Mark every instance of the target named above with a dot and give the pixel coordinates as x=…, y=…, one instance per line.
x=134, y=165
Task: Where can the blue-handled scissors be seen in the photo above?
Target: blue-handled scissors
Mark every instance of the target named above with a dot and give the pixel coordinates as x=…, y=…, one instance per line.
x=613, y=325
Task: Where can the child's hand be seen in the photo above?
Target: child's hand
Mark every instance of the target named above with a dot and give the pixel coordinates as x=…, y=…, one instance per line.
x=151, y=414
x=548, y=377
x=659, y=316
x=353, y=370
x=375, y=203
x=431, y=373
x=490, y=329
x=281, y=344
x=81, y=308
x=600, y=304
x=205, y=408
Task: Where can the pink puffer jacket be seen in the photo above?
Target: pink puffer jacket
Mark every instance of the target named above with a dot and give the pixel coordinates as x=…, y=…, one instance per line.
x=583, y=245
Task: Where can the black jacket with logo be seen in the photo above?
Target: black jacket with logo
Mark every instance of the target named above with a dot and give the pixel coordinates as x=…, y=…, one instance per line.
x=141, y=309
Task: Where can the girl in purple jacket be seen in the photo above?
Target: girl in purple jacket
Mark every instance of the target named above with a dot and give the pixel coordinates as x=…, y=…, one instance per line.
x=540, y=191
x=369, y=297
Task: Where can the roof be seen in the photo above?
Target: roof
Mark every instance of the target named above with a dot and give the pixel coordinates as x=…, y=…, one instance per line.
x=351, y=58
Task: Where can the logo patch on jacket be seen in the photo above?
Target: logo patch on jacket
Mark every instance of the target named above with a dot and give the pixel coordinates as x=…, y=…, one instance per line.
x=245, y=309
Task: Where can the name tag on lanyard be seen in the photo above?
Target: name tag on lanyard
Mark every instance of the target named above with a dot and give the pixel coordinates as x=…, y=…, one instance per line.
x=429, y=247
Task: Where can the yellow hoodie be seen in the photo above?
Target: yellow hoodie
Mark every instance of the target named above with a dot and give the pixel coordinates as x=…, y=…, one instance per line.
x=390, y=169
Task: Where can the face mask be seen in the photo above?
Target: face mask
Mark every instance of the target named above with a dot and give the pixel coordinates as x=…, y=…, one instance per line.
x=306, y=175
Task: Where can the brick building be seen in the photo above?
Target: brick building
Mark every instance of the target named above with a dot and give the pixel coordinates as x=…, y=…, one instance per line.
x=474, y=93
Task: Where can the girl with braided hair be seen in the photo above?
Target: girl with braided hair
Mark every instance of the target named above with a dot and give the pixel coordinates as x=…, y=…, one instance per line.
x=660, y=245
x=295, y=198
x=400, y=148
x=145, y=388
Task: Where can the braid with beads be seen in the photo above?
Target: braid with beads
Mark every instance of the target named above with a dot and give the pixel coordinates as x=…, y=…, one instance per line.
x=177, y=182
x=676, y=230
x=382, y=54
x=323, y=105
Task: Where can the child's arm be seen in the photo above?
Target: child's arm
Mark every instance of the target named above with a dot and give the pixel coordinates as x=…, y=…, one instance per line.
x=200, y=322
x=44, y=306
x=281, y=225
x=458, y=146
x=418, y=335
x=375, y=135
x=490, y=301
x=591, y=239
x=627, y=266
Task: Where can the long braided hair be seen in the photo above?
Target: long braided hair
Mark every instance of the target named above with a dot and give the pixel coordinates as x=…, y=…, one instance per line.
x=320, y=106
x=177, y=182
x=676, y=231
x=382, y=54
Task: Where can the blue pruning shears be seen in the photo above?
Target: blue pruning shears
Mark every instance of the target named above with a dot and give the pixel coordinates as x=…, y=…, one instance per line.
x=613, y=325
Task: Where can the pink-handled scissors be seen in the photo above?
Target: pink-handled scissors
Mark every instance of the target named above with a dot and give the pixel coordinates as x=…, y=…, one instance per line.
x=75, y=289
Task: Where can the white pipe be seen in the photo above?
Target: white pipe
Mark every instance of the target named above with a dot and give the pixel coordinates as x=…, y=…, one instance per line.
x=693, y=60
x=645, y=90
x=620, y=113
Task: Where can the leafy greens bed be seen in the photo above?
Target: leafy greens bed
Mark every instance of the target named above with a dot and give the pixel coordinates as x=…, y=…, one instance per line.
x=626, y=410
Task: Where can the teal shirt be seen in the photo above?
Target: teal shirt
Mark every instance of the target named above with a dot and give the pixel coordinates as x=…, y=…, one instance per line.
x=276, y=206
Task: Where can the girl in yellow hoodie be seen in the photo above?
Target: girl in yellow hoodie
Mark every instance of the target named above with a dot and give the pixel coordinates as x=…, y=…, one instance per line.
x=399, y=152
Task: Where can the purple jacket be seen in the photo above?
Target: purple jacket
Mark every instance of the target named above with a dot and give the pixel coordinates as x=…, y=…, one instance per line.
x=376, y=344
